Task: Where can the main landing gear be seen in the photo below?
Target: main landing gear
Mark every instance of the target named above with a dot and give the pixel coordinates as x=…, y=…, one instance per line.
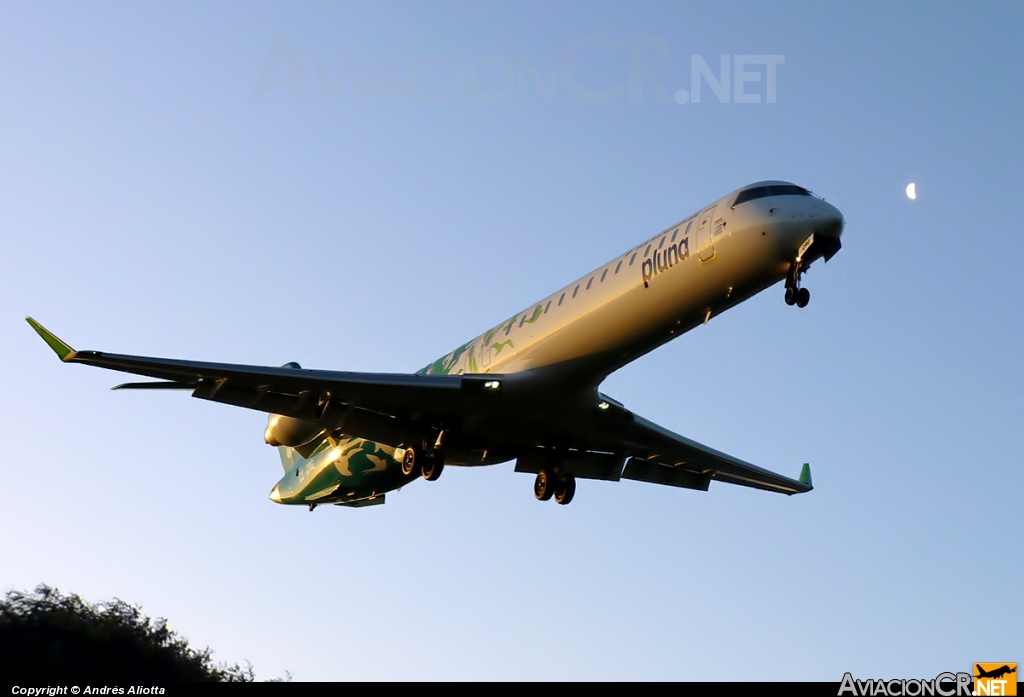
x=429, y=463
x=560, y=486
x=795, y=295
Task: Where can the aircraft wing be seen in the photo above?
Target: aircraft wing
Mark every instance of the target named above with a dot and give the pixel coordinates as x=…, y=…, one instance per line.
x=602, y=440
x=288, y=391
x=659, y=456
x=613, y=444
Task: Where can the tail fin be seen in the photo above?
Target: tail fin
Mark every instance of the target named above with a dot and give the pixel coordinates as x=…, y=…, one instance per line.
x=290, y=458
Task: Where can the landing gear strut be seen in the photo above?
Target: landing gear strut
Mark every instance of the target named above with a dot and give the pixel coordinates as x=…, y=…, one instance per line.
x=795, y=295
x=560, y=486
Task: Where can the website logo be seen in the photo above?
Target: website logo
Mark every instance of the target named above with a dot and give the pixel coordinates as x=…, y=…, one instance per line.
x=989, y=679
x=942, y=685
x=995, y=679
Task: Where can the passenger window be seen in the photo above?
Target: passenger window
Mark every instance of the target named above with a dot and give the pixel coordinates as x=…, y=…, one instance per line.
x=674, y=233
x=561, y=299
x=547, y=307
x=603, y=275
x=632, y=259
x=619, y=266
x=590, y=282
x=648, y=250
x=575, y=290
x=662, y=243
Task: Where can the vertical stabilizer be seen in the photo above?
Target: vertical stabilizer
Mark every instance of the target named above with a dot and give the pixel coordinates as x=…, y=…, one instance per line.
x=290, y=458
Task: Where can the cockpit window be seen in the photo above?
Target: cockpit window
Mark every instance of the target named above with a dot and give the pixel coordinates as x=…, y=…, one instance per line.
x=772, y=190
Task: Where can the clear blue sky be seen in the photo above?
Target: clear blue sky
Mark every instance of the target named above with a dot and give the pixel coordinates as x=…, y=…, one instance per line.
x=205, y=181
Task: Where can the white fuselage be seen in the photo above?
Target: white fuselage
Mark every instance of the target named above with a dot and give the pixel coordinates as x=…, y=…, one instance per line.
x=668, y=284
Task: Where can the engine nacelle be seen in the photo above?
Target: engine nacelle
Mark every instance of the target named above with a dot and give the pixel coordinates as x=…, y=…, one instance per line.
x=285, y=430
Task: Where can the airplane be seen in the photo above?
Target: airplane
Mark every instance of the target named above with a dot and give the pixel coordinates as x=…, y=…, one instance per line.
x=528, y=388
x=995, y=673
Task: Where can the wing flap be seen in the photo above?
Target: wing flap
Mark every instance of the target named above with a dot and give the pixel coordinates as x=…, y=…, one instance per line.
x=366, y=389
x=159, y=385
x=584, y=465
x=645, y=471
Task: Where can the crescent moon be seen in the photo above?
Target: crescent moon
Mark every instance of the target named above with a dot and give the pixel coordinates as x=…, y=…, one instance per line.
x=911, y=191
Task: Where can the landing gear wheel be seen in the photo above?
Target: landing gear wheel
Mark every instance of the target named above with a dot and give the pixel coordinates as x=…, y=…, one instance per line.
x=791, y=295
x=565, y=490
x=803, y=296
x=543, y=486
x=411, y=461
x=433, y=463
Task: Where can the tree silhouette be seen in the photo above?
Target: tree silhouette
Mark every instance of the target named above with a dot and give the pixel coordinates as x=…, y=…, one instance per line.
x=62, y=638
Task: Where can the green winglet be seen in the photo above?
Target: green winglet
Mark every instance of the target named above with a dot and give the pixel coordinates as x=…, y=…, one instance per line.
x=62, y=350
x=805, y=475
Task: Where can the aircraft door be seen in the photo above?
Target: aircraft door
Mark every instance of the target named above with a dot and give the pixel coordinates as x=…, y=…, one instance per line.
x=705, y=248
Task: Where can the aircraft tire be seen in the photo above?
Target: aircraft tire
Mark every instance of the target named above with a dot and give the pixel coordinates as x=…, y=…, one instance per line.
x=411, y=460
x=791, y=294
x=433, y=463
x=543, y=486
x=803, y=297
x=565, y=490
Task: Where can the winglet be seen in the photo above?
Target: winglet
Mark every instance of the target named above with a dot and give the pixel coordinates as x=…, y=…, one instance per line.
x=805, y=475
x=62, y=350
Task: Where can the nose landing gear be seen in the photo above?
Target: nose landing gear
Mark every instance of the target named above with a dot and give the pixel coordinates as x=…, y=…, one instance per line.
x=798, y=296
x=795, y=295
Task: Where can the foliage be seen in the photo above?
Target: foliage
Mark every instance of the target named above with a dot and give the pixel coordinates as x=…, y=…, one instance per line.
x=62, y=638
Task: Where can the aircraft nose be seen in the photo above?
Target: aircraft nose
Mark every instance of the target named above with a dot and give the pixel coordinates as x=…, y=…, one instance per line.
x=275, y=494
x=831, y=221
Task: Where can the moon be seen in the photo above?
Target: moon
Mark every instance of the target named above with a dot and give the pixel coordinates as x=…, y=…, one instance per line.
x=911, y=191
